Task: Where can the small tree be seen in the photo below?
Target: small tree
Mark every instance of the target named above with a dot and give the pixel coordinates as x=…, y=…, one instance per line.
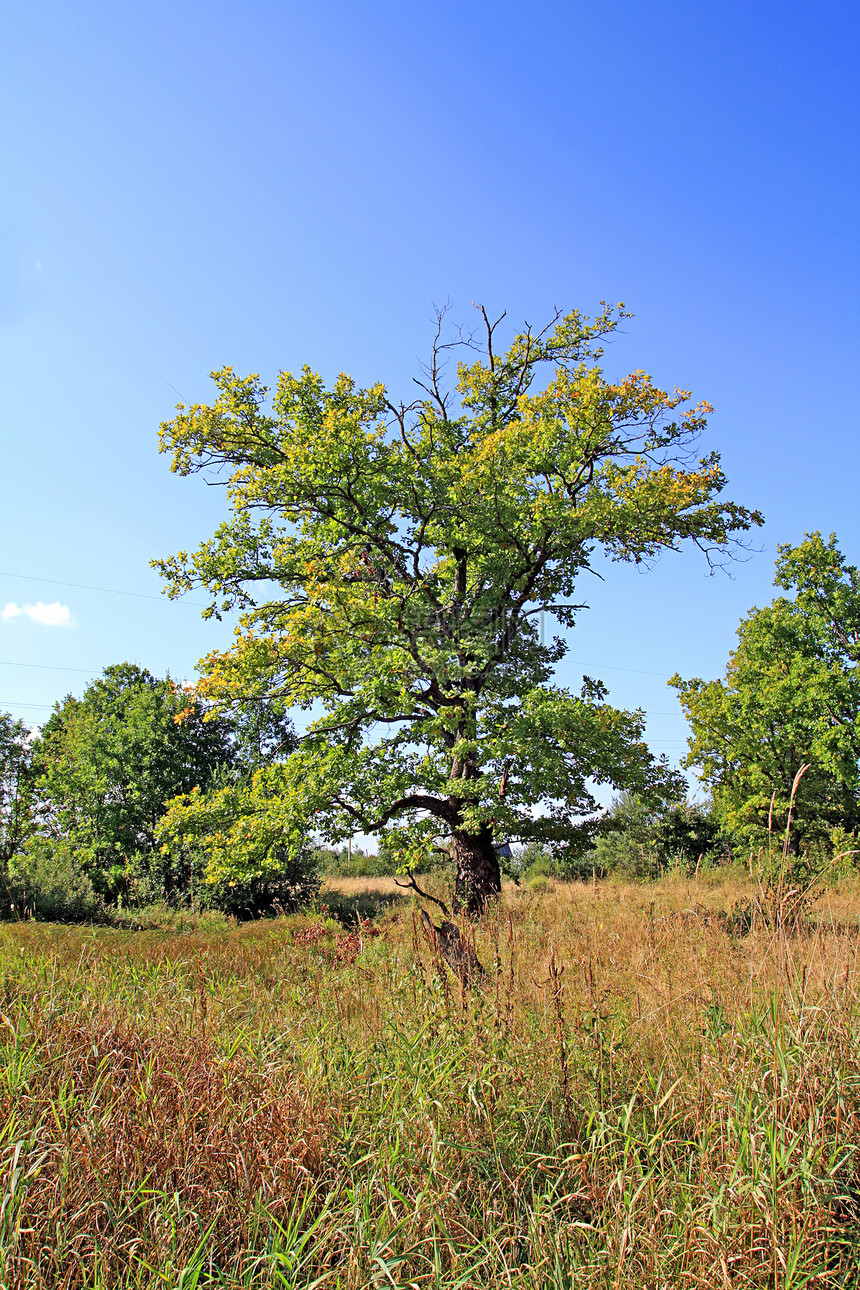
x=15, y=787
x=640, y=839
x=790, y=697
x=108, y=763
x=392, y=562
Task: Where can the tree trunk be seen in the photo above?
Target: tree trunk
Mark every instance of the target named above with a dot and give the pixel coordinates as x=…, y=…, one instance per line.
x=478, y=878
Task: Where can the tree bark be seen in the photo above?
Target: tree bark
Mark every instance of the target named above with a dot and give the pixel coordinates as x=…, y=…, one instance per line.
x=478, y=877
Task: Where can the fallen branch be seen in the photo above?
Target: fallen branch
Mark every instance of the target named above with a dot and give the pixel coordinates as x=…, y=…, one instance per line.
x=456, y=952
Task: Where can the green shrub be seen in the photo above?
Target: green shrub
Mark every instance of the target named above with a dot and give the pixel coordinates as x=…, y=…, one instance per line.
x=48, y=882
x=535, y=862
x=261, y=897
x=177, y=878
x=639, y=840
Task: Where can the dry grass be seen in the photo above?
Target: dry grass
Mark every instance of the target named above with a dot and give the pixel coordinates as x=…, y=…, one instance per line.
x=641, y=1097
x=384, y=886
x=359, y=886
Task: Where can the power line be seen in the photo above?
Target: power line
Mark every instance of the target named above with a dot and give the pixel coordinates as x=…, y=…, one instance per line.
x=5, y=662
x=50, y=667
x=83, y=586
x=607, y=667
x=16, y=703
x=90, y=671
x=194, y=604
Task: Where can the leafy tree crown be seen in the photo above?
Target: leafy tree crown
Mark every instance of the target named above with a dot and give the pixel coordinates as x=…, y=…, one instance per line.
x=391, y=560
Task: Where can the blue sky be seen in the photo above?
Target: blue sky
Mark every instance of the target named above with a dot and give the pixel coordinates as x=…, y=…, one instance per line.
x=264, y=185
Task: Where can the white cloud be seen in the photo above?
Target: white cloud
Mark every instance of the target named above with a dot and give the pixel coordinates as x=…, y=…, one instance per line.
x=52, y=615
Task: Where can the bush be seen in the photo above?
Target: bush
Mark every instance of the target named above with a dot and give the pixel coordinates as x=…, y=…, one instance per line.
x=638, y=840
x=48, y=882
x=177, y=878
x=260, y=897
x=158, y=877
x=535, y=862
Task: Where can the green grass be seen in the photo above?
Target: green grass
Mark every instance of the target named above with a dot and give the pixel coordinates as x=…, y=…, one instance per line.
x=639, y=1097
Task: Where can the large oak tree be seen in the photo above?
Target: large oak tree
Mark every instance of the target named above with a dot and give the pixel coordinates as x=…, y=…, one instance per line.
x=392, y=561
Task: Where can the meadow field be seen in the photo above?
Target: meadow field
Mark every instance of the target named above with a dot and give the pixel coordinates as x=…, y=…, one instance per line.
x=654, y=1085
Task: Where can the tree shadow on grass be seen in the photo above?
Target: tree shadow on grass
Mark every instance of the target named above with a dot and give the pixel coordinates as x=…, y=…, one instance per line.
x=360, y=906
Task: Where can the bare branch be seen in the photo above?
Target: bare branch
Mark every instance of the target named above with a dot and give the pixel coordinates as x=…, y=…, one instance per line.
x=425, y=895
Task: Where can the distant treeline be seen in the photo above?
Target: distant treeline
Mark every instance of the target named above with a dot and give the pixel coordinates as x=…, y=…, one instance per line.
x=82, y=801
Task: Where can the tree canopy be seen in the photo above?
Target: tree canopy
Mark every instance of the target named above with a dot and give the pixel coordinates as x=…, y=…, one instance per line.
x=391, y=561
x=790, y=697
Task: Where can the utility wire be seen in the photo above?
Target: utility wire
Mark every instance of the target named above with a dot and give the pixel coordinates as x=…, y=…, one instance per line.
x=90, y=671
x=16, y=703
x=142, y=595
x=50, y=667
x=5, y=662
x=83, y=586
x=607, y=667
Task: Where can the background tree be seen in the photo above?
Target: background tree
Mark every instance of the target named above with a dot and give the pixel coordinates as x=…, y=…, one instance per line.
x=224, y=827
x=391, y=560
x=108, y=763
x=15, y=787
x=790, y=696
x=642, y=839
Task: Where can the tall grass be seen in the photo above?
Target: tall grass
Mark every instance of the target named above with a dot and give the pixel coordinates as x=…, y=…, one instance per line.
x=639, y=1095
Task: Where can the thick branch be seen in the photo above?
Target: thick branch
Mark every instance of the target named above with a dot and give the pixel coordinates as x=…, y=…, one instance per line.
x=443, y=810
